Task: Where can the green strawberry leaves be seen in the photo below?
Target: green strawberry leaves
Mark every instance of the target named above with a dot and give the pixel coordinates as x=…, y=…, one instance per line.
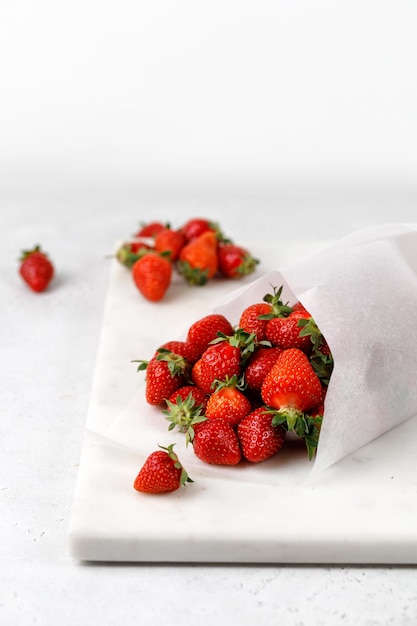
x=301, y=424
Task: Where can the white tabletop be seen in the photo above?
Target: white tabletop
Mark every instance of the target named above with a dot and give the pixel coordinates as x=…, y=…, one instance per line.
x=49, y=345
x=87, y=154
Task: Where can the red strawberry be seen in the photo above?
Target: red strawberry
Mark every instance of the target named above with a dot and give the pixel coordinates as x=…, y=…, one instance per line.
x=224, y=358
x=182, y=393
x=228, y=402
x=291, y=385
x=162, y=472
x=235, y=261
x=198, y=260
x=185, y=349
x=165, y=373
x=254, y=318
x=150, y=229
x=259, y=365
x=215, y=442
x=204, y=330
x=217, y=362
x=36, y=269
x=259, y=439
x=130, y=251
x=170, y=242
x=196, y=226
x=152, y=275
x=285, y=332
x=184, y=411
x=250, y=319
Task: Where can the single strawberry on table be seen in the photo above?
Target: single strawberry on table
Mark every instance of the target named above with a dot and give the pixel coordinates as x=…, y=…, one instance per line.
x=162, y=472
x=36, y=269
x=152, y=275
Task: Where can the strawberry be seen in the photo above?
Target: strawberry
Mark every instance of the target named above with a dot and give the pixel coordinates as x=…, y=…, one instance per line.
x=224, y=358
x=254, y=318
x=36, y=269
x=235, y=261
x=165, y=373
x=150, y=229
x=183, y=411
x=250, y=319
x=259, y=439
x=204, y=330
x=285, y=332
x=170, y=242
x=185, y=349
x=182, y=393
x=198, y=260
x=196, y=226
x=259, y=365
x=228, y=402
x=130, y=251
x=215, y=442
x=300, y=307
x=291, y=386
x=162, y=472
x=152, y=275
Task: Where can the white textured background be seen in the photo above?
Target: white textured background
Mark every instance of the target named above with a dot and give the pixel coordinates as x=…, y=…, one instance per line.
x=284, y=120
x=142, y=93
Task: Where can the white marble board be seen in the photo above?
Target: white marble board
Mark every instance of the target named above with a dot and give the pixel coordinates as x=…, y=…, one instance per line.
x=361, y=510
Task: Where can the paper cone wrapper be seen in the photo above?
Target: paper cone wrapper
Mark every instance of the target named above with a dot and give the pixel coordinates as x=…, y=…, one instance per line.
x=362, y=293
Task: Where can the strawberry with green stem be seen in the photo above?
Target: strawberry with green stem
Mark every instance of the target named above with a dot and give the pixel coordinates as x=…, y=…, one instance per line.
x=254, y=318
x=162, y=472
x=131, y=251
x=165, y=373
x=259, y=438
x=228, y=401
x=183, y=413
x=290, y=389
x=225, y=357
x=235, y=261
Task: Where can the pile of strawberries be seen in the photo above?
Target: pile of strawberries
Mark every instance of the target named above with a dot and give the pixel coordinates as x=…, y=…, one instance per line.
x=197, y=250
x=235, y=392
